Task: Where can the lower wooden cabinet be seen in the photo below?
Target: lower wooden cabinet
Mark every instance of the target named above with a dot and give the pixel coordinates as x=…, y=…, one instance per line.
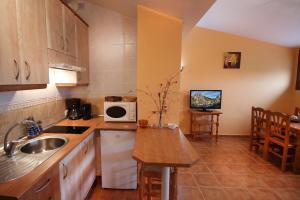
x=47, y=188
x=77, y=171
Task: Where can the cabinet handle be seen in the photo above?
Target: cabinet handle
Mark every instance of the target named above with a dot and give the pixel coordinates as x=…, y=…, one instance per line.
x=62, y=42
x=17, y=69
x=87, y=147
x=67, y=45
x=65, y=169
x=28, y=70
x=43, y=186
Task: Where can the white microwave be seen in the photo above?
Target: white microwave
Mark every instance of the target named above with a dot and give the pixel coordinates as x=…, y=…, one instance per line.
x=120, y=111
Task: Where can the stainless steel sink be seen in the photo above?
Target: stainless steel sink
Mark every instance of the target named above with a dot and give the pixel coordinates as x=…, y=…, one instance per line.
x=28, y=156
x=43, y=144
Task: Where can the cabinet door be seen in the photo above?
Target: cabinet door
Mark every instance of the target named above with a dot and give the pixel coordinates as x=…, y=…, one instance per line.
x=82, y=51
x=54, y=12
x=33, y=40
x=88, y=165
x=46, y=188
x=70, y=175
x=69, y=31
x=9, y=50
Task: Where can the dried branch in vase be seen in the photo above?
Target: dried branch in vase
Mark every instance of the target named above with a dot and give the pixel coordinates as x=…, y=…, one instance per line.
x=160, y=98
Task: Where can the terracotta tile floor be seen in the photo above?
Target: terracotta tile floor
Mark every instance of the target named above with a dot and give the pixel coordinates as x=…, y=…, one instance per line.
x=226, y=170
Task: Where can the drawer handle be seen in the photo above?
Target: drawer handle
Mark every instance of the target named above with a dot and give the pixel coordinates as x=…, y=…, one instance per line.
x=43, y=186
x=28, y=70
x=86, y=150
x=17, y=69
x=65, y=169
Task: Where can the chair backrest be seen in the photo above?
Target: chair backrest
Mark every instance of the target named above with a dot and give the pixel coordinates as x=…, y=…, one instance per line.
x=279, y=126
x=297, y=111
x=259, y=120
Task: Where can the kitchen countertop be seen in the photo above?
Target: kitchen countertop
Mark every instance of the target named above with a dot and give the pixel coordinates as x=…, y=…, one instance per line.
x=163, y=147
x=16, y=188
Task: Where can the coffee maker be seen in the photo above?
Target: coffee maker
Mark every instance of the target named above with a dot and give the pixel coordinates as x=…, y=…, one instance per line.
x=73, y=108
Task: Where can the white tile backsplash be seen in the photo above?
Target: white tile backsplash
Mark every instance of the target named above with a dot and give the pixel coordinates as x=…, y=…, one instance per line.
x=112, y=52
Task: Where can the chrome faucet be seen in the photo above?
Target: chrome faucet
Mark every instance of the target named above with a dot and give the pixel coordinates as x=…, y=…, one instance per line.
x=9, y=147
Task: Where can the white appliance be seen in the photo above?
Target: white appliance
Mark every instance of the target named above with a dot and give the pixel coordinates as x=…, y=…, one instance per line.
x=119, y=170
x=119, y=111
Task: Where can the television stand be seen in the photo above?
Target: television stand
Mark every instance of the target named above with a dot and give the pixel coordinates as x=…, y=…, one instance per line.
x=208, y=120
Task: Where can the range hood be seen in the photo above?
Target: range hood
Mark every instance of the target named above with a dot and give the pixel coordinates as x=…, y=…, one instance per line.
x=64, y=74
x=68, y=67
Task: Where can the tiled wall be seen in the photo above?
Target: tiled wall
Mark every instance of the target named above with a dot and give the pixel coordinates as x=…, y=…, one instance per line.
x=48, y=113
x=112, y=38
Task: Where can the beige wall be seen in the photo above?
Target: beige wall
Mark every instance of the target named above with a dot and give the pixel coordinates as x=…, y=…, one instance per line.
x=112, y=39
x=263, y=80
x=159, y=55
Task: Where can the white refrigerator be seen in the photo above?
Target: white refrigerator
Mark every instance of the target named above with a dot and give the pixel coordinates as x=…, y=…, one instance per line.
x=119, y=169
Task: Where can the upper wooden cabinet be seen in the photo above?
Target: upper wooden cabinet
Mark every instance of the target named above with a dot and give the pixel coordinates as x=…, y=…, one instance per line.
x=23, y=47
x=54, y=9
x=82, y=51
x=69, y=31
x=60, y=27
x=9, y=49
x=33, y=41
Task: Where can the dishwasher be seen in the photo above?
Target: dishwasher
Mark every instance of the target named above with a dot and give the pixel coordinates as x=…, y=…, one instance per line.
x=119, y=169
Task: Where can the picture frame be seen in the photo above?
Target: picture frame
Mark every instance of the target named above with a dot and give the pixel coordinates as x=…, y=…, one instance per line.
x=232, y=60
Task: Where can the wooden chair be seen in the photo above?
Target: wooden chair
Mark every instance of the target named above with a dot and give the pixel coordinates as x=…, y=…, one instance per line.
x=150, y=179
x=279, y=141
x=259, y=119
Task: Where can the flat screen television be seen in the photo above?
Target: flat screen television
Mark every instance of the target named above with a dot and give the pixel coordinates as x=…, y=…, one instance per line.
x=205, y=99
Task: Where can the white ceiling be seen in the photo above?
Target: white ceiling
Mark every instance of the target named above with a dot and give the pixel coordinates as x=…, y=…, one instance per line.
x=189, y=11
x=275, y=21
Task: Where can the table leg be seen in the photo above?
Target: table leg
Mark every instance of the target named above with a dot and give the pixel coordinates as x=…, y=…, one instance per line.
x=217, y=128
x=165, y=183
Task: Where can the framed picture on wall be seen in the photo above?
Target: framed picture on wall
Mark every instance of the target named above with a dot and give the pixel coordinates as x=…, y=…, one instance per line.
x=232, y=60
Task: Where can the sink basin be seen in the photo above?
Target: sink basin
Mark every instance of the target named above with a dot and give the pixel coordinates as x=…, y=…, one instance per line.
x=43, y=144
x=28, y=156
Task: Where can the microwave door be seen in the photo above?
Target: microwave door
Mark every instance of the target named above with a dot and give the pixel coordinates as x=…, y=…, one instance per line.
x=116, y=112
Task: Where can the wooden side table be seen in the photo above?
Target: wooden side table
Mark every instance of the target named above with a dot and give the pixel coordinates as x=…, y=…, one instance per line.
x=200, y=119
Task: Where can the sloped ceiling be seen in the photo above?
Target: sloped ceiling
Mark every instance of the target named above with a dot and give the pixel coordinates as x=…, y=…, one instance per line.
x=189, y=11
x=275, y=21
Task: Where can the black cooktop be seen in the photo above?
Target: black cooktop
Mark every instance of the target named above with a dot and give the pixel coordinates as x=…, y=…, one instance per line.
x=66, y=129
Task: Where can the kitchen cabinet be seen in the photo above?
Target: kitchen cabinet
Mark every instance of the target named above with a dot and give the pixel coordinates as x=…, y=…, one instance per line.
x=69, y=175
x=33, y=41
x=77, y=171
x=82, y=51
x=47, y=187
x=54, y=21
x=9, y=49
x=23, y=43
x=69, y=31
x=60, y=28
x=88, y=165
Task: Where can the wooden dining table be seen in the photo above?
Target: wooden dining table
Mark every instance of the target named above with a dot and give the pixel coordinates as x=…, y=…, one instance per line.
x=166, y=148
x=295, y=128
